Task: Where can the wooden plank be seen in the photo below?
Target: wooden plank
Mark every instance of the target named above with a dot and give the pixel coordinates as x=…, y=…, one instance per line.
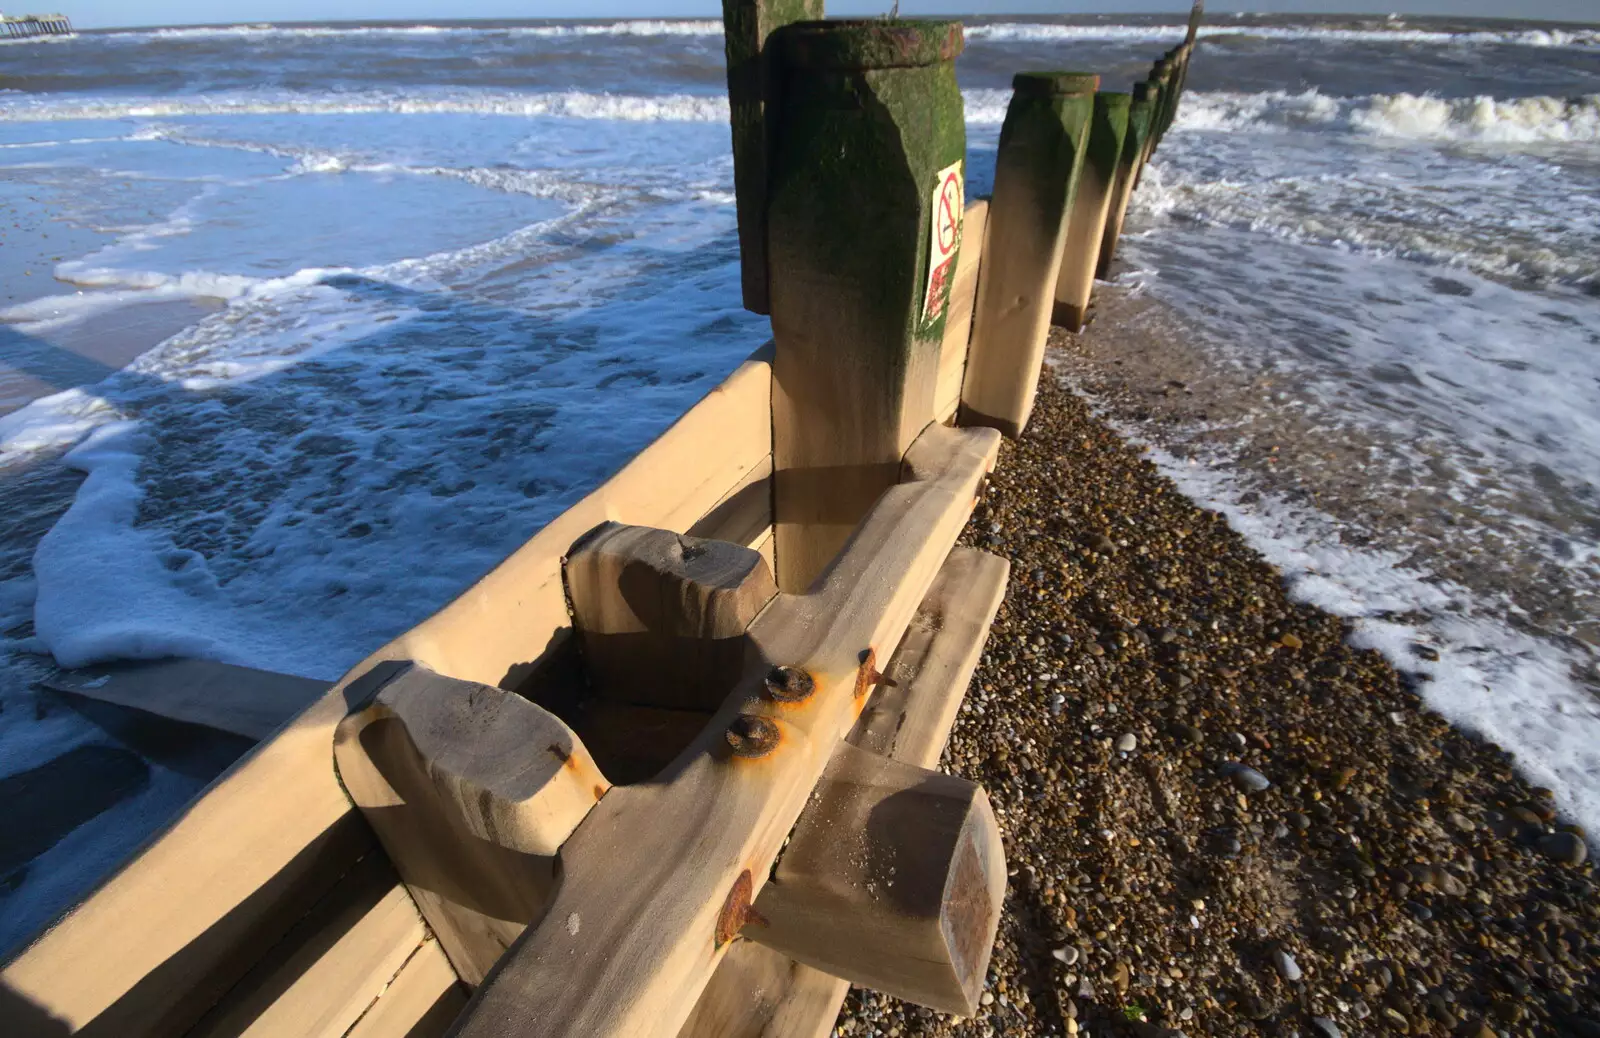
x=322, y=977
x=421, y=1001
x=758, y=992
x=472, y=791
x=661, y=617
x=744, y=515
x=241, y=700
x=272, y=834
x=958, y=320
x=1036, y=169
x=161, y=940
x=911, y=719
x=893, y=878
x=658, y=877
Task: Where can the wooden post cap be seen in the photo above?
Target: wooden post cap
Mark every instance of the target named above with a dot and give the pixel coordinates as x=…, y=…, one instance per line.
x=662, y=616
x=875, y=44
x=893, y=879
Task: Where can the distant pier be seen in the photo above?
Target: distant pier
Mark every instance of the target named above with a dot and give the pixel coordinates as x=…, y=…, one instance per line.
x=21, y=26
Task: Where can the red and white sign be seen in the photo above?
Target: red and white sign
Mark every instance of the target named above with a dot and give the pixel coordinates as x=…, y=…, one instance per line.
x=948, y=209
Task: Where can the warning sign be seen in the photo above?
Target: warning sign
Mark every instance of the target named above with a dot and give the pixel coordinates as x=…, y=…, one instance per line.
x=948, y=208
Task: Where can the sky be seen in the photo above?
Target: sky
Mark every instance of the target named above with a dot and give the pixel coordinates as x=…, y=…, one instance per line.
x=107, y=13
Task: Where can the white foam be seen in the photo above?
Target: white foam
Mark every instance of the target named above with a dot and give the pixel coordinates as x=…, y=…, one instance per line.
x=1412, y=116
x=633, y=27
x=1520, y=120
x=1509, y=687
x=570, y=104
x=1048, y=33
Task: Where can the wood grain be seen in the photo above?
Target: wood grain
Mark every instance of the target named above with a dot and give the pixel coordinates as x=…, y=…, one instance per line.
x=661, y=617
x=958, y=320
x=657, y=870
x=757, y=992
x=893, y=879
x=272, y=834
x=419, y=1002
x=471, y=790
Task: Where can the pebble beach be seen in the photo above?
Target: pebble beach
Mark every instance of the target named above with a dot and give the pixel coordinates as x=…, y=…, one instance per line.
x=1221, y=818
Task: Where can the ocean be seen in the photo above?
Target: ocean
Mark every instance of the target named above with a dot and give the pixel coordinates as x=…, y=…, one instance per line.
x=303, y=328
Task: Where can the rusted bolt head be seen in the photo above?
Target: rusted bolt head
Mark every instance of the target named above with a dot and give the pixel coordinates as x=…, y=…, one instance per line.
x=752, y=736
x=790, y=684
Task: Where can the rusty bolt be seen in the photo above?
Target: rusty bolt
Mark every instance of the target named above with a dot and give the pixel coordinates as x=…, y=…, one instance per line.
x=737, y=912
x=752, y=736
x=790, y=685
x=869, y=675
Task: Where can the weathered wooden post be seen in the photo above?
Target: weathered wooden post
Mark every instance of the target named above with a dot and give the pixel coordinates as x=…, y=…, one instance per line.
x=754, y=75
x=1041, y=152
x=1134, y=152
x=864, y=228
x=1080, y=256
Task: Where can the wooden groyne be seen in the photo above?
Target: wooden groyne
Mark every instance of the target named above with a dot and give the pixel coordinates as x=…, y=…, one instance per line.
x=23, y=26
x=667, y=770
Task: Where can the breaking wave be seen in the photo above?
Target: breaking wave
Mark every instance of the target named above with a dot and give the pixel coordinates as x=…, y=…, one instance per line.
x=1420, y=117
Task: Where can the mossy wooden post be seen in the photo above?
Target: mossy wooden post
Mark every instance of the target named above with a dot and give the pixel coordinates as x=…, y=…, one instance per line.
x=1036, y=170
x=1164, y=75
x=1086, y=225
x=862, y=201
x=1160, y=83
x=1134, y=151
x=753, y=83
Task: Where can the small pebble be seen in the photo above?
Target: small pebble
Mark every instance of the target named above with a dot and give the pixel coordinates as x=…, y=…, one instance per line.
x=1128, y=743
x=1067, y=954
x=1325, y=1027
x=1287, y=967
x=1248, y=780
x=1566, y=848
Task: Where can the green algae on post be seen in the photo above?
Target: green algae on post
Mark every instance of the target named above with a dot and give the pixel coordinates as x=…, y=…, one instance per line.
x=1080, y=256
x=753, y=81
x=1134, y=142
x=1041, y=152
x=870, y=116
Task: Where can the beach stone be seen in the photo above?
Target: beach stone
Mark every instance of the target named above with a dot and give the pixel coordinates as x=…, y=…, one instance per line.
x=1566, y=848
x=1128, y=743
x=1067, y=954
x=1325, y=1027
x=1246, y=779
x=1287, y=968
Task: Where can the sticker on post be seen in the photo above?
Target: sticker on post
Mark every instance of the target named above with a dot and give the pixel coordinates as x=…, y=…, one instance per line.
x=944, y=242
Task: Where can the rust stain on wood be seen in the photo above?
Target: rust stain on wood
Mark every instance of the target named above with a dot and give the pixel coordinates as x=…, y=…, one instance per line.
x=736, y=910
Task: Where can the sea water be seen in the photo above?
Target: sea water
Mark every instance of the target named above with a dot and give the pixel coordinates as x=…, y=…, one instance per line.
x=409, y=291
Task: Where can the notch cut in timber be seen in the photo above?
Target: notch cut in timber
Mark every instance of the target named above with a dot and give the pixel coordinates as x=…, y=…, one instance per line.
x=662, y=617
x=761, y=993
x=629, y=940
x=471, y=790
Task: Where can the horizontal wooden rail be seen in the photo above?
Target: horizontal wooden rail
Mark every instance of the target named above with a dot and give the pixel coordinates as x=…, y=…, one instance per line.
x=658, y=878
x=165, y=937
